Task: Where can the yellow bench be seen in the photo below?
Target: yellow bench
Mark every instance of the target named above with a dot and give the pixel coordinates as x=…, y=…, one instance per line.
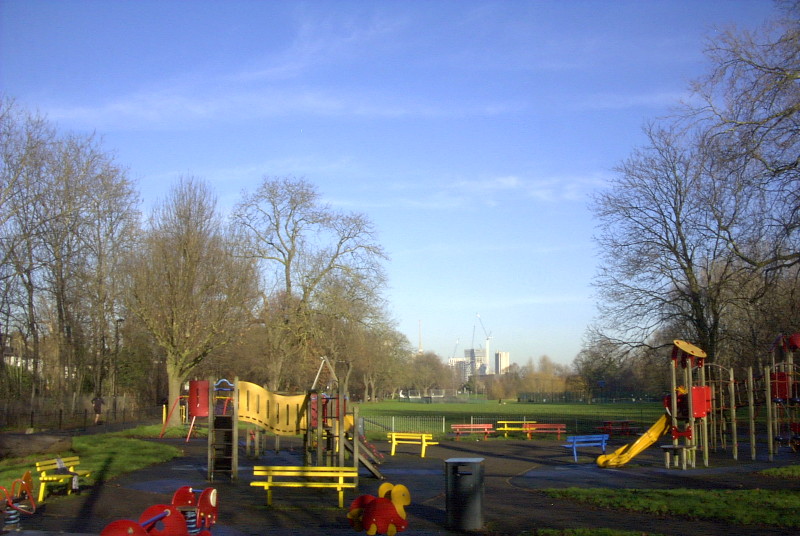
x=411, y=438
x=60, y=471
x=512, y=426
x=338, y=478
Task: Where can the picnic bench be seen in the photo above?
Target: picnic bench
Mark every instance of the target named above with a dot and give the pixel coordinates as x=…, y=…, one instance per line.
x=337, y=478
x=544, y=428
x=59, y=471
x=618, y=427
x=411, y=438
x=484, y=429
x=575, y=442
x=512, y=426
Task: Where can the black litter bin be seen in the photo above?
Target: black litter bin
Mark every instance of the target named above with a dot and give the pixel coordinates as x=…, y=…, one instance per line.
x=464, y=493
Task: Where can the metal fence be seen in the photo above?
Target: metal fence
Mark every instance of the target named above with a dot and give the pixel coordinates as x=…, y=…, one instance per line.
x=64, y=420
x=377, y=424
x=399, y=423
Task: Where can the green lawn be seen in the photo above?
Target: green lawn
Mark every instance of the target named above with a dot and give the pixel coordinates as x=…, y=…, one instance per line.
x=579, y=418
x=460, y=410
x=779, y=508
x=106, y=455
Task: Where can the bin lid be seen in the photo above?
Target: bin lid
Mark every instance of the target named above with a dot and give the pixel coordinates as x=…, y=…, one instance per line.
x=464, y=460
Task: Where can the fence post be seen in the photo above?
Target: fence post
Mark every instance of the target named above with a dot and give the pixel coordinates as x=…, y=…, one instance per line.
x=31, y=418
x=443, y=428
x=60, y=418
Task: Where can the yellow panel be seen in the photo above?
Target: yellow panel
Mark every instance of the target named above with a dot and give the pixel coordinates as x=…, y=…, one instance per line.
x=279, y=414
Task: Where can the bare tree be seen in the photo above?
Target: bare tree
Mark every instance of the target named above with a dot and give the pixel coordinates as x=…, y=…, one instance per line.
x=307, y=252
x=187, y=287
x=380, y=368
x=54, y=188
x=661, y=265
x=25, y=145
x=113, y=223
x=750, y=106
x=427, y=371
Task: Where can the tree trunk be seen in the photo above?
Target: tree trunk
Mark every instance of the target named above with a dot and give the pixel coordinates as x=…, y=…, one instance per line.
x=175, y=383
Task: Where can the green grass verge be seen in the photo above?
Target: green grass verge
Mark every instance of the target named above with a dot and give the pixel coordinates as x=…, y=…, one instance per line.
x=458, y=411
x=579, y=418
x=789, y=472
x=106, y=455
x=154, y=430
x=744, y=507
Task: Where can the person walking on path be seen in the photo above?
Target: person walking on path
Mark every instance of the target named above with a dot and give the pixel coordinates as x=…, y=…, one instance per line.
x=97, y=404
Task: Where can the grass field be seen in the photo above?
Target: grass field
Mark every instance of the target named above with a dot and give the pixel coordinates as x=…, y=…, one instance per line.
x=436, y=418
x=458, y=411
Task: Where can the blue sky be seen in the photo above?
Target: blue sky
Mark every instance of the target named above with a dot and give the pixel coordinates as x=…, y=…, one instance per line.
x=471, y=133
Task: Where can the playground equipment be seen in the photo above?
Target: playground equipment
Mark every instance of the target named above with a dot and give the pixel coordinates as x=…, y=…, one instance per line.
x=784, y=394
x=775, y=389
x=327, y=428
x=715, y=401
x=384, y=514
x=19, y=500
x=186, y=515
x=684, y=406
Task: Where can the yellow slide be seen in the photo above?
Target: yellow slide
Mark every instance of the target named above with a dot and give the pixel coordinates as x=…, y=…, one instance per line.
x=626, y=453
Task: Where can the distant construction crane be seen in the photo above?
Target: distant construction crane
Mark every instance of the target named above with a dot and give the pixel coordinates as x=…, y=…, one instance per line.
x=488, y=340
x=455, y=348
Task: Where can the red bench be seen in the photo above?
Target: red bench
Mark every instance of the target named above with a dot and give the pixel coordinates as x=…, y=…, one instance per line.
x=485, y=429
x=544, y=428
x=618, y=427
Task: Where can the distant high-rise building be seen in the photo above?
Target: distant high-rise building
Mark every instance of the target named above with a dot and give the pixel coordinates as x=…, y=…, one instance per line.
x=476, y=358
x=502, y=360
x=461, y=366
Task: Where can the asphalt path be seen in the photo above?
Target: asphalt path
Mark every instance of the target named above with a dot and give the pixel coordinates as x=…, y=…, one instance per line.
x=512, y=502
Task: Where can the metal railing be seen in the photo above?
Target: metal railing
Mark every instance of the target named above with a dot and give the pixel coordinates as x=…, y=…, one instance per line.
x=65, y=420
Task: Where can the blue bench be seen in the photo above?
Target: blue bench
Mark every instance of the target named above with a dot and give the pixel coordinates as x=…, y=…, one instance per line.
x=597, y=440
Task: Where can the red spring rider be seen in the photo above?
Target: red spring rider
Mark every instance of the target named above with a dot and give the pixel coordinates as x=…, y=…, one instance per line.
x=384, y=514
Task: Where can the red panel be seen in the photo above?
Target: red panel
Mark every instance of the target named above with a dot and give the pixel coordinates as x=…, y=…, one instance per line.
x=198, y=398
x=779, y=384
x=701, y=401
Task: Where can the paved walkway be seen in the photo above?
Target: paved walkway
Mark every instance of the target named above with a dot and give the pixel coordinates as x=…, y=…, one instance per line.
x=515, y=472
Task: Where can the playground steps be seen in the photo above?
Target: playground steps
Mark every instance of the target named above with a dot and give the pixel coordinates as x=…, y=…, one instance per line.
x=221, y=447
x=366, y=457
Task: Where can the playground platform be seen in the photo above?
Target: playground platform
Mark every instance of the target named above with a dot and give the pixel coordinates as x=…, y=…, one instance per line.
x=515, y=473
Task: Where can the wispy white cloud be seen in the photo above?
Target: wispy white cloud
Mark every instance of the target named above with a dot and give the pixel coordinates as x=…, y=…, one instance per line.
x=183, y=107
x=545, y=189
x=621, y=101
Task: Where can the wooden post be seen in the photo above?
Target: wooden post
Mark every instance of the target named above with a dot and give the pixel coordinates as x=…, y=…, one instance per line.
x=356, y=440
x=734, y=433
x=704, y=420
x=751, y=406
x=770, y=417
x=212, y=408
